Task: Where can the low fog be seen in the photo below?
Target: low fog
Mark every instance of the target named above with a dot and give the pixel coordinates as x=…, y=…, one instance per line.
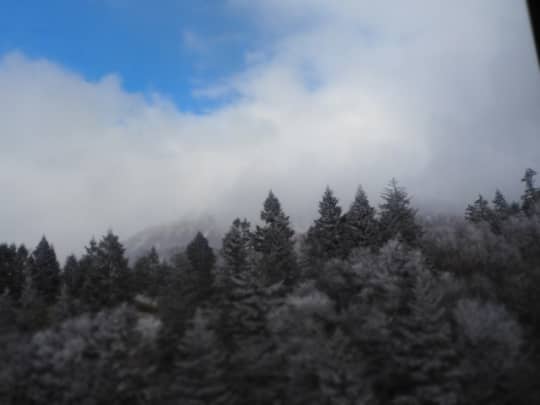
x=444, y=96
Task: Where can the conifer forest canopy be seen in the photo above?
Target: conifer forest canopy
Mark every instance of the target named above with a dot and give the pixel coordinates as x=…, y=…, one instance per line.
x=269, y=202
x=372, y=305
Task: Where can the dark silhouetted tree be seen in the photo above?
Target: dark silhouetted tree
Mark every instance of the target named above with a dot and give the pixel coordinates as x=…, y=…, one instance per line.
x=531, y=195
x=360, y=228
x=202, y=260
x=45, y=271
x=324, y=236
x=146, y=273
x=12, y=263
x=237, y=246
x=480, y=211
x=200, y=367
x=115, y=264
x=72, y=276
x=273, y=241
x=397, y=218
x=107, y=277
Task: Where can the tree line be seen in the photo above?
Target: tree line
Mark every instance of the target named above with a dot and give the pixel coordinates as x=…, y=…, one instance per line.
x=369, y=306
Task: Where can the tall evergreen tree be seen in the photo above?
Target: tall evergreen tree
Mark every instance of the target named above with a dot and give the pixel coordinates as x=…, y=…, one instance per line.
x=254, y=371
x=237, y=246
x=107, y=277
x=72, y=276
x=202, y=259
x=200, y=367
x=397, y=218
x=531, y=196
x=324, y=236
x=32, y=311
x=146, y=273
x=12, y=263
x=112, y=259
x=500, y=206
x=45, y=271
x=479, y=211
x=274, y=243
x=424, y=359
x=95, y=291
x=359, y=223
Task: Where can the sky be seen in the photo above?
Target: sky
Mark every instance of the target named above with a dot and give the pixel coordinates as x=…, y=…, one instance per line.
x=118, y=114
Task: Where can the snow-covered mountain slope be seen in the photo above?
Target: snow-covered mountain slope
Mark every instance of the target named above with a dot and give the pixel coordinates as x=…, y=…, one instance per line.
x=171, y=238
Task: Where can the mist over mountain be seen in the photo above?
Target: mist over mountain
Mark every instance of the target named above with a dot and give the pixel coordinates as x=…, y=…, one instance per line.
x=171, y=238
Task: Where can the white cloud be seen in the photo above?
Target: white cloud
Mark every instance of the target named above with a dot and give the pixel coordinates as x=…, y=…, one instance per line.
x=444, y=96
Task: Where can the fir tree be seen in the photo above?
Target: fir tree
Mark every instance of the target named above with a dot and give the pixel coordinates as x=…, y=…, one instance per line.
x=274, y=243
x=202, y=260
x=72, y=276
x=531, y=195
x=479, y=211
x=63, y=308
x=254, y=370
x=360, y=225
x=107, y=277
x=146, y=273
x=425, y=363
x=237, y=246
x=397, y=218
x=200, y=367
x=32, y=310
x=324, y=237
x=95, y=291
x=45, y=271
x=112, y=260
x=500, y=205
x=12, y=263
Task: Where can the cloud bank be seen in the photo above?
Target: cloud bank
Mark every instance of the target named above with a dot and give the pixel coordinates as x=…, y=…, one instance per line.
x=445, y=96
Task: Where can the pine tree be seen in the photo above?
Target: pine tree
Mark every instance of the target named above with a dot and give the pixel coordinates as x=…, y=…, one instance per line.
x=397, y=218
x=72, y=276
x=32, y=310
x=12, y=263
x=425, y=363
x=501, y=211
x=531, y=195
x=63, y=308
x=95, y=291
x=146, y=273
x=360, y=225
x=274, y=243
x=202, y=259
x=107, y=277
x=254, y=370
x=479, y=211
x=324, y=236
x=45, y=271
x=237, y=246
x=501, y=207
x=111, y=257
x=200, y=367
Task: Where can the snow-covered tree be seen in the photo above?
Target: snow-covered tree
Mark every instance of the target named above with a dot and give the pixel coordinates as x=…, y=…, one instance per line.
x=489, y=343
x=424, y=360
x=200, y=368
x=397, y=218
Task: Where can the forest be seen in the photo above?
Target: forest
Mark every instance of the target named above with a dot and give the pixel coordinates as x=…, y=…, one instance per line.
x=372, y=305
